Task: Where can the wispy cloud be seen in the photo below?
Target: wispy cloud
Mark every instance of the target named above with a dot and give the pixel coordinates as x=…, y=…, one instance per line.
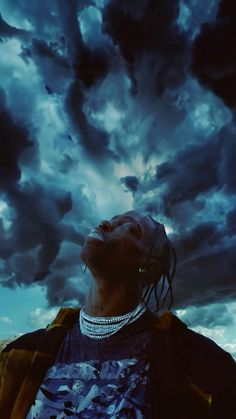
x=41, y=317
x=5, y=319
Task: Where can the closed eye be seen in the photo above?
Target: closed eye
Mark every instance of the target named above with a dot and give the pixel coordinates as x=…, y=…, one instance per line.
x=133, y=227
x=118, y=224
x=136, y=230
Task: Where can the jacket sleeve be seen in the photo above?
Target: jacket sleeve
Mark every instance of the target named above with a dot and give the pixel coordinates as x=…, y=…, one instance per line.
x=24, y=362
x=224, y=400
x=15, y=360
x=25, y=342
x=213, y=370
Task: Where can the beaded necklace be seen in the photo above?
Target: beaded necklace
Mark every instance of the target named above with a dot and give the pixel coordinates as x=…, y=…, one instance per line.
x=104, y=327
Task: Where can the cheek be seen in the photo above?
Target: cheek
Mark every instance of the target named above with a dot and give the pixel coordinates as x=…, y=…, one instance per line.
x=90, y=253
x=132, y=248
x=113, y=245
x=127, y=254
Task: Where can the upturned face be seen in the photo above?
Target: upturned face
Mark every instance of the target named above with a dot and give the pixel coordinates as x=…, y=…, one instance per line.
x=117, y=248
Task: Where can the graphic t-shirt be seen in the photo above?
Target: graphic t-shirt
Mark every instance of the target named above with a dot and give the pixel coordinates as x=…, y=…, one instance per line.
x=107, y=378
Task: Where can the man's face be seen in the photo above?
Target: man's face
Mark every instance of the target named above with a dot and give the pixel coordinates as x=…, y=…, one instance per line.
x=118, y=246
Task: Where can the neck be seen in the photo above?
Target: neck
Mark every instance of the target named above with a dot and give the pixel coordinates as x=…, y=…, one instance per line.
x=111, y=298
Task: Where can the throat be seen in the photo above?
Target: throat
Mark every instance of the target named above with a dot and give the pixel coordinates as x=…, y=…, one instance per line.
x=106, y=300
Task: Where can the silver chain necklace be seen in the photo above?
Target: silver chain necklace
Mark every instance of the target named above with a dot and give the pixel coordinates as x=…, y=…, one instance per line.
x=104, y=327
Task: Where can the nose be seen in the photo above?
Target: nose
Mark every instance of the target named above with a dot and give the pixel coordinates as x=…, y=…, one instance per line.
x=105, y=226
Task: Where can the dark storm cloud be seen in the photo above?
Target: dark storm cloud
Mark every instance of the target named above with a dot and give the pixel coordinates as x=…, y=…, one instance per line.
x=33, y=242
x=89, y=66
x=50, y=59
x=214, y=54
x=206, y=263
x=130, y=182
x=50, y=51
x=14, y=140
x=92, y=65
x=64, y=204
x=190, y=172
x=8, y=31
x=136, y=60
x=138, y=29
x=198, y=169
x=198, y=239
x=148, y=28
x=183, y=189
x=44, y=20
x=60, y=291
x=67, y=56
x=231, y=221
x=227, y=172
x=37, y=223
x=94, y=140
x=207, y=278
x=164, y=61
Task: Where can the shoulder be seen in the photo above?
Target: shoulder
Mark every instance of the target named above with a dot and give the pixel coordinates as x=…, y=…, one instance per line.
x=27, y=341
x=195, y=341
x=205, y=350
x=206, y=361
x=50, y=335
x=202, y=357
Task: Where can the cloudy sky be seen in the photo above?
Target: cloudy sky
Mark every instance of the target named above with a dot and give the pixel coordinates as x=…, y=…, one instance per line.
x=107, y=106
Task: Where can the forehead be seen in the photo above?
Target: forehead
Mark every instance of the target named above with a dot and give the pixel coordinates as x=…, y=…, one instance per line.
x=144, y=220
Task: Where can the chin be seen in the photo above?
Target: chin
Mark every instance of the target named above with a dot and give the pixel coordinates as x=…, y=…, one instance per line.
x=84, y=257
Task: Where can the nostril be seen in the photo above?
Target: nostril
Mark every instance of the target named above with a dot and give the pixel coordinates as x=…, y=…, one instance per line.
x=105, y=226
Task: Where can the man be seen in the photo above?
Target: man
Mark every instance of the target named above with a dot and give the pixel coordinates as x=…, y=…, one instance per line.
x=114, y=358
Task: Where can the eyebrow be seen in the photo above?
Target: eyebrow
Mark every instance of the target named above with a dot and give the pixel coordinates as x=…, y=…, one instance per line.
x=124, y=218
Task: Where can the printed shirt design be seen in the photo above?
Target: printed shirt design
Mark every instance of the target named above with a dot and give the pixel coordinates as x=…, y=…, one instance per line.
x=94, y=389
x=108, y=378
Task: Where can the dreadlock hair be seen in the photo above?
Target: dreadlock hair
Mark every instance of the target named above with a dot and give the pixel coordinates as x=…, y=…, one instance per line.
x=162, y=251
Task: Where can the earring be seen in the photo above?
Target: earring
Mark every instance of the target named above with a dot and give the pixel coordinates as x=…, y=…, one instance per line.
x=141, y=270
x=85, y=267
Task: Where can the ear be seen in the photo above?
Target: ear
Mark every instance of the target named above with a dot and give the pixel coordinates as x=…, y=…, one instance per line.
x=152, y=273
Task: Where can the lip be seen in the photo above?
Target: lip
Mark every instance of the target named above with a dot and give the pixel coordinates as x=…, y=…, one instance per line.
x=95, y=235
